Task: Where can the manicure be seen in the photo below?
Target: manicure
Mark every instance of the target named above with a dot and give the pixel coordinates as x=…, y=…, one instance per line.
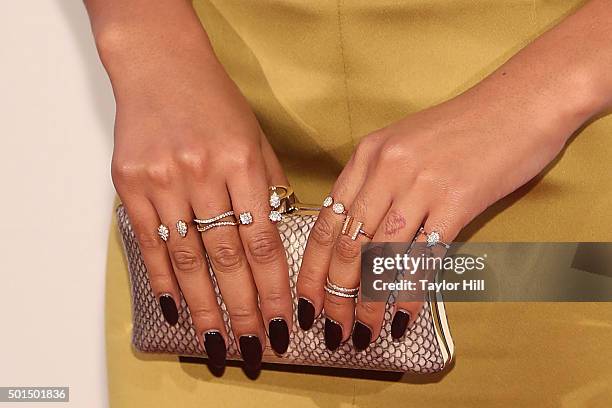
x=399, y=324
x=279, y=335
x=215, y=348
x=168, y=308
x=333, y=334
x=250, y=348
x=362, y=335
x=306, y=314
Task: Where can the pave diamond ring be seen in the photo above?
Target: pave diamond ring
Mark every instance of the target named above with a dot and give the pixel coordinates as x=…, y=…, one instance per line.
x=433, y=238
x=206, y=227
x=163, y=232
x=205, y=221
x=181, y=228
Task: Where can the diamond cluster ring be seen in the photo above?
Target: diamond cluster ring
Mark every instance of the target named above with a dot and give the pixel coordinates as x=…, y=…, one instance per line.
x=337, y=207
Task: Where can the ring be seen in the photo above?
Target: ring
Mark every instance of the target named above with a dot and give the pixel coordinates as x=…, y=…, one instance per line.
x=245, y=218
x=348, y=223
x=181, y=228
x=337, y=207
x=213, y=219
x=433, y=238
x=342, y=289
x=163, y=232
x=206, y=227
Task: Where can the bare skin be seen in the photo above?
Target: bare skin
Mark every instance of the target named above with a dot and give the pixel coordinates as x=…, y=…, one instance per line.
x=187, y=144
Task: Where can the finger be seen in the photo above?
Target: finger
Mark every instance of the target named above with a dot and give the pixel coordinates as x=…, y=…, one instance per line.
x=232, y=272
x=265, y=254
x=318, y=253
x=191, y=270
x=441, y=221
x=145, y=222
x=275, y=174
x=365, y=214
x=400, y=225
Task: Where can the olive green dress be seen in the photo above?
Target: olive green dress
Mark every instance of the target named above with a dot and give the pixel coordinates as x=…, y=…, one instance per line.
x=320, y=74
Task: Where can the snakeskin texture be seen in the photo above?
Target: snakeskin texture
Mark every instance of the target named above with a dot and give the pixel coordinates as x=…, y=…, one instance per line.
x=419, y=351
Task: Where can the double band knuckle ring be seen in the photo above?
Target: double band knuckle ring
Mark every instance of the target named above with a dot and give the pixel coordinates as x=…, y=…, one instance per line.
x=340, y=291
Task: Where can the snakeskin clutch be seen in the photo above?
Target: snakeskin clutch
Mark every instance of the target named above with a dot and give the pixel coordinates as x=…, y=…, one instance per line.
x=427, y=346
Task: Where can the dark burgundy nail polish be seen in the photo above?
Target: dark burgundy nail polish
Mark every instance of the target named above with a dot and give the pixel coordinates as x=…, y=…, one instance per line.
x=250, y=348
x=333, y=334
x=399, y=324
x=306, y=314
x=362, y=335
x=215, y=348
x=279, y=335
x=168, y=308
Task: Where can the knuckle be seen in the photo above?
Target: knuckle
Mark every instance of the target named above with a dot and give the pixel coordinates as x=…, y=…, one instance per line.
x=160, y=174
x=147, y=239
x=273, y=296
x=187, y=259
x=307, y=279
x=194, y=163
x=265, y=248
x=323, y=232
x=226, y=257
x=335, y=302
x=123, y=171
x=347, y=250
x=369, y=309
x=203, y=312
x=242, y=157
x=241, y=316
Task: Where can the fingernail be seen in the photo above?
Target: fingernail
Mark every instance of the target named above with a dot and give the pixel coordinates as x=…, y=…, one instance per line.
x=250, y=348
x=279, y=335
x=168, y=308
x=362, y=336
x=215, y=348
x=399, y=324
x=306, y=314
x=333, y=334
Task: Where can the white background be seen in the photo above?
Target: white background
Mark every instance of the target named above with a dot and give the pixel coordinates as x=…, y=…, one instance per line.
x=56, y=115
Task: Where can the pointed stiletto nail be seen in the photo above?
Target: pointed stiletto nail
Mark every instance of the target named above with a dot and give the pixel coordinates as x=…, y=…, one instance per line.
x=279, y=335
x=250, y=348
x=215, y=348
x=399, y=324
x=362, y=335
x=306, y=314
x=168, y=308
x=333, y=334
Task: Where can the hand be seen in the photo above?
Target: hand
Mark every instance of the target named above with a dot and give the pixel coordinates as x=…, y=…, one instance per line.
x=438, y=169
x=188, y=146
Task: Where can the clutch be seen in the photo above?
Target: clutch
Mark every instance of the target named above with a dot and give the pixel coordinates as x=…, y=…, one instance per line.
x=427, y=347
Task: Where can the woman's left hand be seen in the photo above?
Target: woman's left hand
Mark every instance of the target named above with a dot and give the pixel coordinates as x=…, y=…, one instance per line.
x=438, y=169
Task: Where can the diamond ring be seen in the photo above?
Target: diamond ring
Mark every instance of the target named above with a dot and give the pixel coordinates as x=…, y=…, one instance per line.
x=181, y=228
x=205, y=221
x=433, y=238
x=340, y=291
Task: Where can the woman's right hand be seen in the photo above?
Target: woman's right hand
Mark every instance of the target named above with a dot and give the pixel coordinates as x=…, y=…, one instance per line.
x=187, y=145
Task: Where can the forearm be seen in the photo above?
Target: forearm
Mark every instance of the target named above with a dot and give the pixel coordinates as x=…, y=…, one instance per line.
x=148, y=46
x=561, y=79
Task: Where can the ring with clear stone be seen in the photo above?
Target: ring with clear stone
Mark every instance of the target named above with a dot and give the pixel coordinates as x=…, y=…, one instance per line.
x=433, y=238
x=339, y=288
x=163, y=232
x=245, y=218
x=275, y=216
x=181, y=228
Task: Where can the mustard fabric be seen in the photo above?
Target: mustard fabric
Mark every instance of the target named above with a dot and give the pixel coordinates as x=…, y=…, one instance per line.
x=320, y=74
